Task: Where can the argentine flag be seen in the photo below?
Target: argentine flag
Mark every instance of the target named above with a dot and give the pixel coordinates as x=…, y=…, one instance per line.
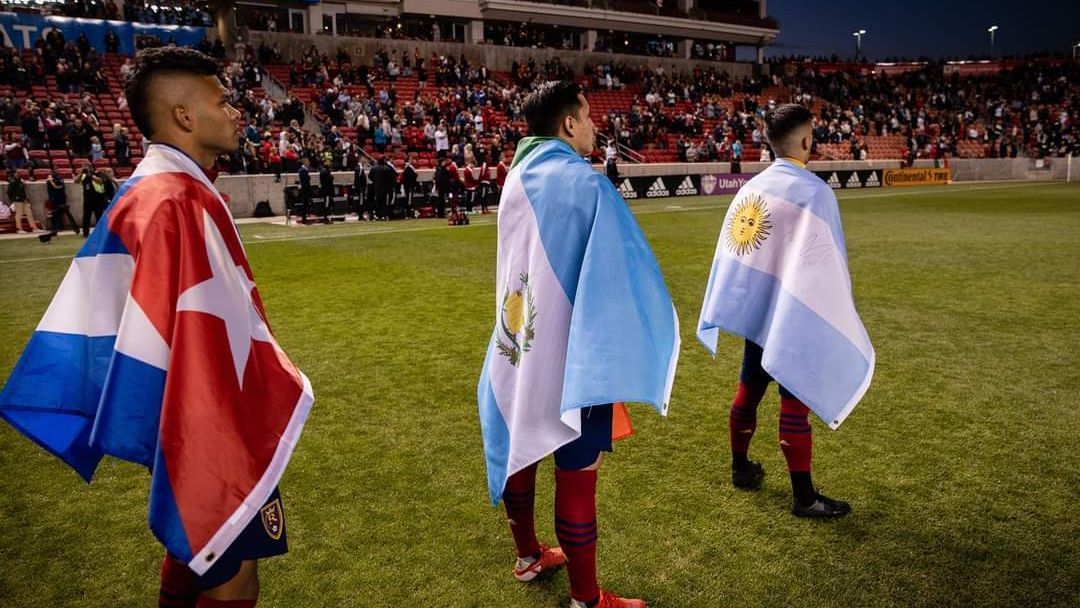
x=582, y=314
x=780, y=279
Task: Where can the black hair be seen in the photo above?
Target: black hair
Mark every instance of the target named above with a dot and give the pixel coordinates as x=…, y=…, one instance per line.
x=546, y=106
x=782, y=121
x=151, y=62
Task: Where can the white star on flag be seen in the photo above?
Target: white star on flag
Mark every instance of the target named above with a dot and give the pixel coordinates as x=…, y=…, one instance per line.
x=227, y=296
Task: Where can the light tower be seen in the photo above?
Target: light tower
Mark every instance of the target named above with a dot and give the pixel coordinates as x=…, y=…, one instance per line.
x=858, y=42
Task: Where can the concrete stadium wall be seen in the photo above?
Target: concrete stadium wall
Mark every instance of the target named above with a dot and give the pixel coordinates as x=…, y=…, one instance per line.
x=985, y=169
x=246, y=190
x=498, y=58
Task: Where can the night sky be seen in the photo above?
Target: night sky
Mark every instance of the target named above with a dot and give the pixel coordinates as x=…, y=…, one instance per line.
x=936, y=29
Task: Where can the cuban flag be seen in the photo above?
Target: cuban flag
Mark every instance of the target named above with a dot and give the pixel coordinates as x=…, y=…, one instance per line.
x=156, y=350
x=582, y=314
x=780, y=279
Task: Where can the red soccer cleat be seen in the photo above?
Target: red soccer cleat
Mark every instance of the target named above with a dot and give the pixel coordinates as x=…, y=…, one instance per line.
x=551, y=559
x=610, y=600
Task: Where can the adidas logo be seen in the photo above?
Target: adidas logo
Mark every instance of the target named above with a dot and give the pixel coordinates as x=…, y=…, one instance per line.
x=626, y=190
x=873, y=181
x=708, y=183
x=853, y=181
x=833, y=181
x=658, y=189
x=686, y=188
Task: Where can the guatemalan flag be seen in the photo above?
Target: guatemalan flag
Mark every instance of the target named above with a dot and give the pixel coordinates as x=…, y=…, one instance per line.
x=780, y=279
x=156, y=350
x=583, y=316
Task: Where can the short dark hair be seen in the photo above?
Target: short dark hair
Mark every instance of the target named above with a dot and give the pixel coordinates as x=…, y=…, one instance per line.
x=782, y=121
x=546, y=106
x=150, y=62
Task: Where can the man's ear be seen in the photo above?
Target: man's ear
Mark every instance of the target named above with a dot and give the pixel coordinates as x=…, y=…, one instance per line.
x=183, y=118
x=806, y=143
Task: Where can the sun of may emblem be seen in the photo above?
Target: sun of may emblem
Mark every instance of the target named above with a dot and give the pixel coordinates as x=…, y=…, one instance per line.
x=749, y=225
x=518, y=321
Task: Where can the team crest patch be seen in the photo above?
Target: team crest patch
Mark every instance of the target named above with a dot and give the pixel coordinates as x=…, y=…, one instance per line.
x=518, y=321
x=273, y=519
x=749, y=226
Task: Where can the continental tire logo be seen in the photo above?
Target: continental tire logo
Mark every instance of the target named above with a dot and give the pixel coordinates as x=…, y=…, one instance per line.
x=915, y=177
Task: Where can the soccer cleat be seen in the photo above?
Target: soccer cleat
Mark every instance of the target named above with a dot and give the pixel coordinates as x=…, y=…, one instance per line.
x=822, y=507
x=551, y=559
x=610, y=600
x=748, y=476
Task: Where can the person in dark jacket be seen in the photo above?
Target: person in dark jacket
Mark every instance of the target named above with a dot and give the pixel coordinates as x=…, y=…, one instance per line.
x=123, y=149
x=93, y=188
x=16, y=193
x=442, y=186
x=59, y=204
x=326, y=190
x=304, y=175
x=410, y=179
x=611, y=167
x=384, y=178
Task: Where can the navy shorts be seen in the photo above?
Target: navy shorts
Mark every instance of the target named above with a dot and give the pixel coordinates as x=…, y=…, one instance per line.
x=595, y=438
x=263, y=537
x=752, y=374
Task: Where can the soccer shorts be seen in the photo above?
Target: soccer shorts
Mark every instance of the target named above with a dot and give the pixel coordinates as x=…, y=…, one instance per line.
x=595, y=438
x=263, y=537
x=752, y=374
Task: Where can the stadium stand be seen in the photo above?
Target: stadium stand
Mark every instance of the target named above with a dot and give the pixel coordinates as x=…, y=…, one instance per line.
x=57, y=97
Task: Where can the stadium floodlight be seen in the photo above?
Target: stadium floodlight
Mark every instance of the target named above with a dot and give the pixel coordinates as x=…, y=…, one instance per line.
x=992, y=29
x=858, y=41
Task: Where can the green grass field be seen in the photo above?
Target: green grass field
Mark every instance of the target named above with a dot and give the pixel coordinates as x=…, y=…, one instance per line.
x=961, y=462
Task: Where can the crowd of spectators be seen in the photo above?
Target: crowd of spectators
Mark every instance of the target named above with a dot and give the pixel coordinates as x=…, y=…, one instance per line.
x=458, y=111
x=176, y=12
x=466, y=112
x=67, y=122
x=1030, y=110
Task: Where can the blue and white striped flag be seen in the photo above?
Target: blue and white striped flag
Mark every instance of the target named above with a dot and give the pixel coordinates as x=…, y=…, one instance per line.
x=583, y=316
x=780, y=279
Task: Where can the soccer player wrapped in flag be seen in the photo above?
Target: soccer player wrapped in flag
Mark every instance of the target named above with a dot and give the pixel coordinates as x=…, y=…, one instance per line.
x=780, y=281
x=584, y=322
x=156, y=350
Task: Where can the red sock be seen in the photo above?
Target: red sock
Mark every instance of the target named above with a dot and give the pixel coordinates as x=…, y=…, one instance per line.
x=178, y=585
x=743, y=419
x=575, y=526
x=206, y=602
x=518, y=498
x=795, y=438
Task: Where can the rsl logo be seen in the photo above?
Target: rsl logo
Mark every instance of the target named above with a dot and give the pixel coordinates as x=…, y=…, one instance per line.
x=749, y=225
x=708, y=183
x=517, y=321
x=273, y=519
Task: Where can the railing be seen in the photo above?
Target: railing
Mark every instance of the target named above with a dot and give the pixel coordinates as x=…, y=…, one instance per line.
x=625, y=152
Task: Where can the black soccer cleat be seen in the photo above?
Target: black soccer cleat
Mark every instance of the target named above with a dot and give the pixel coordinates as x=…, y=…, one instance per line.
x=748, y=476
x=823, y=507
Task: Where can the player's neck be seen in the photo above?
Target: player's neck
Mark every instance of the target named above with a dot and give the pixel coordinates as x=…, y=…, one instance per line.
x=204, y=158
x=795, y=161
